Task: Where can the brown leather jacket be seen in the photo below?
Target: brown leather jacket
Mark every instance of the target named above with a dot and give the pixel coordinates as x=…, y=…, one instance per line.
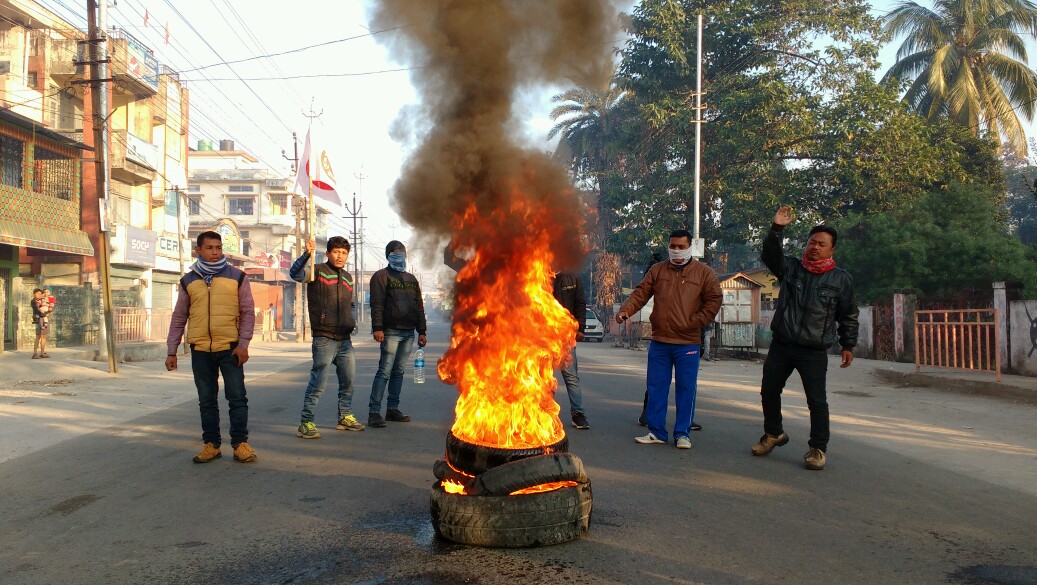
x=686, y=299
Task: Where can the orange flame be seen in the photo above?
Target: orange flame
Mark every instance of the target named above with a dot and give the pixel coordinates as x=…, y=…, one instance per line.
x=544, y=487
x=452, y=487
x=509, y=333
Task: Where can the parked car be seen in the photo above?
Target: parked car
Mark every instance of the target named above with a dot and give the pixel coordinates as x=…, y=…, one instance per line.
x=594, y=330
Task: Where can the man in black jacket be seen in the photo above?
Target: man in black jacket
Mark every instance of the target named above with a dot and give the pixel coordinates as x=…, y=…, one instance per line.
x=816, y=299
x=568, y=291
x=330, y=299
x=397, y=310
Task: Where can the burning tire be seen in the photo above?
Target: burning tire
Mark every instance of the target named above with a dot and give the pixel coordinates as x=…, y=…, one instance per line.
x=537, y=519
x=475, y=459
x=528, y=472
x=443, y=472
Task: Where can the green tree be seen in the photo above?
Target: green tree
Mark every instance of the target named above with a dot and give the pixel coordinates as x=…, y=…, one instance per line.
x=586, y=120
x=951, y=239
x=965, y=59
x=787, y=121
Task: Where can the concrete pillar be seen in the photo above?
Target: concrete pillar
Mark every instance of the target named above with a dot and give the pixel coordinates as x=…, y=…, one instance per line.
x=1004, y=293
x=904, y=305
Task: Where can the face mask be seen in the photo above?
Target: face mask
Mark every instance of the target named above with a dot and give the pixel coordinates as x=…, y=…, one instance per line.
x=680, y=257
x=398, y=261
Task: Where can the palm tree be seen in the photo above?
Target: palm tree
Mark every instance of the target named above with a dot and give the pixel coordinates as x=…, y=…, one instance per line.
x=965, y=60
x=584, y=122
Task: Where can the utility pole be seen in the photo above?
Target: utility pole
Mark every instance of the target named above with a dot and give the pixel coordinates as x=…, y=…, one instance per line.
x=357, y=285
x=358, y=253
x=699, y=245
x=297, y=203
x=97, y=24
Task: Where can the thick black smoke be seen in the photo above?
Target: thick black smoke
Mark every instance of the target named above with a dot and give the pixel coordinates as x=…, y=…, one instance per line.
x=473, y=58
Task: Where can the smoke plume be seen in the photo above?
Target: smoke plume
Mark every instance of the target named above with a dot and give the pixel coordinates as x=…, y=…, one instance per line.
x=472, y=60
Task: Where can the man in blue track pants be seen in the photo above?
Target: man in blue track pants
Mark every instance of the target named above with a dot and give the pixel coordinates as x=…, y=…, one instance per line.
x=687, y=297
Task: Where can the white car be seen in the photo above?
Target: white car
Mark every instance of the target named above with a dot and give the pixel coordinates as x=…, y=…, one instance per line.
x=594, y=330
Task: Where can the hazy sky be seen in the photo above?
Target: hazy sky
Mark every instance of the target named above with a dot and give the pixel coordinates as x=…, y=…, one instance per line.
x=358, y=89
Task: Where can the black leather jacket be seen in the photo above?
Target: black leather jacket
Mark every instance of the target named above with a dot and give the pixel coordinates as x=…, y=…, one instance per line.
x=568, y=291
x=811, y=307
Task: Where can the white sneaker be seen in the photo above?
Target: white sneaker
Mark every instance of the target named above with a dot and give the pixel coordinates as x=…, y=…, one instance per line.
x=649, y=439
x=683, y=443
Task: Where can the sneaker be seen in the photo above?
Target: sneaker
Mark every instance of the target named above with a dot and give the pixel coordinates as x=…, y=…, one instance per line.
x=683, y=443
x=650, y=439
x=815, y=459
x=244, y=454
x=641, y=421
x=349, y=423
x=696, y=427
x=308, y=430
x=375, y=420
x=208, y=453
x=767, y=443
x=580, y=421
x=394, y=415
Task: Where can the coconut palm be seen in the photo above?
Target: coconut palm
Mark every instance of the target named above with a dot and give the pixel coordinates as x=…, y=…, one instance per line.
x=965, y=59
x=584, y=122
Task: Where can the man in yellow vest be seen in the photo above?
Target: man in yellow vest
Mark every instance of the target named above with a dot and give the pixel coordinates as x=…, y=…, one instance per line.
x=215, y=303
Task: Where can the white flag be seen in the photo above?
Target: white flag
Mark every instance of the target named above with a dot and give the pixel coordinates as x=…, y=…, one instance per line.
x=316, y=170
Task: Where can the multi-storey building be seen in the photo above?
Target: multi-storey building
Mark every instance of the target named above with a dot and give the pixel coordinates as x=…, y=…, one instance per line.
x=251, y=207
x=50, y=206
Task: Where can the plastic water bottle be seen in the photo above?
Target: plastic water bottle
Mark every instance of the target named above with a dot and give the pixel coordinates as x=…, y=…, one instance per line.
x=419, y=366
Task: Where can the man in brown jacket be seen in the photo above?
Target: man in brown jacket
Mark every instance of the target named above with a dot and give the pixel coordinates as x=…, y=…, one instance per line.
x=687, y=297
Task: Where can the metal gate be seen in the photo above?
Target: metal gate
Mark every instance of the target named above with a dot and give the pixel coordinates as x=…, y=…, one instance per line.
x=967, y=339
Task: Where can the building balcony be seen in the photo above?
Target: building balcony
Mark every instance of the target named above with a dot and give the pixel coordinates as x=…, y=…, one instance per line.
x=62, y=58
x=133, y=160
x=134, y=67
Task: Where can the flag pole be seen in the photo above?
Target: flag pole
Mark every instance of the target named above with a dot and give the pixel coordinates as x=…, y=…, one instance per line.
x=309, y=218
x=310, y=170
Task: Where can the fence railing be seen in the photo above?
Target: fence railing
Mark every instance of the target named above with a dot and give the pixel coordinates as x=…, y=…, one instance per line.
x=959, y=340
x=136, y=324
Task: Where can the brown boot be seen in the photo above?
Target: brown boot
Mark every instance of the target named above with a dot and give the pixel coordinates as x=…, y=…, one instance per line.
x=244, y=454
x=815, y=459
x=767, y=443
x=208, y=453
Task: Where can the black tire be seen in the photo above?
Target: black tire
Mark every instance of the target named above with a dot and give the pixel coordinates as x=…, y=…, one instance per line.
x=528, y=472
x=474, y=459
x=539, y=519
x=442, y=470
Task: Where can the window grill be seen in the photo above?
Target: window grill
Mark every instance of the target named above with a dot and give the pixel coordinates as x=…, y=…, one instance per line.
x=55, y=174
x=239, y=205
x=13, y=160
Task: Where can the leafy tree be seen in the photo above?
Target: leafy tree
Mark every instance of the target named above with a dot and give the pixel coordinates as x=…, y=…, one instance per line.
x=586, y=120
x=965, y=60
x=951, y=239
x=787, y=121
x=1021, y=197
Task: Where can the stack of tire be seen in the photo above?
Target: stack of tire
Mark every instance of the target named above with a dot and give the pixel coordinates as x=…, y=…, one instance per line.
x=486, y=515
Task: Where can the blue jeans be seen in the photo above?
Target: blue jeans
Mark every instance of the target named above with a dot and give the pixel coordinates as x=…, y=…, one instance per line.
x=327, y=351
x=570, y=374
x=663, y=360
x=207, y=368
x=396, y=347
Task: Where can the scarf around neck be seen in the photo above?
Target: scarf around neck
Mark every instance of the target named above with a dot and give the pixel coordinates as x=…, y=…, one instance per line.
x=818, y=266
x=207, y=270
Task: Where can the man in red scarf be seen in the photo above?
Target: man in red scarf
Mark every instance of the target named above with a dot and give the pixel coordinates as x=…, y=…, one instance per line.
x=815, y=305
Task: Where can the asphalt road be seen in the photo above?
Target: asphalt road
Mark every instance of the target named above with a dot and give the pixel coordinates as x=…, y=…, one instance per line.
x=921, y=487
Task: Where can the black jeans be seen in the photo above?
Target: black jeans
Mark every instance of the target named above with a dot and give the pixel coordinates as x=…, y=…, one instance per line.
x=812, y=365
x=207, y=368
